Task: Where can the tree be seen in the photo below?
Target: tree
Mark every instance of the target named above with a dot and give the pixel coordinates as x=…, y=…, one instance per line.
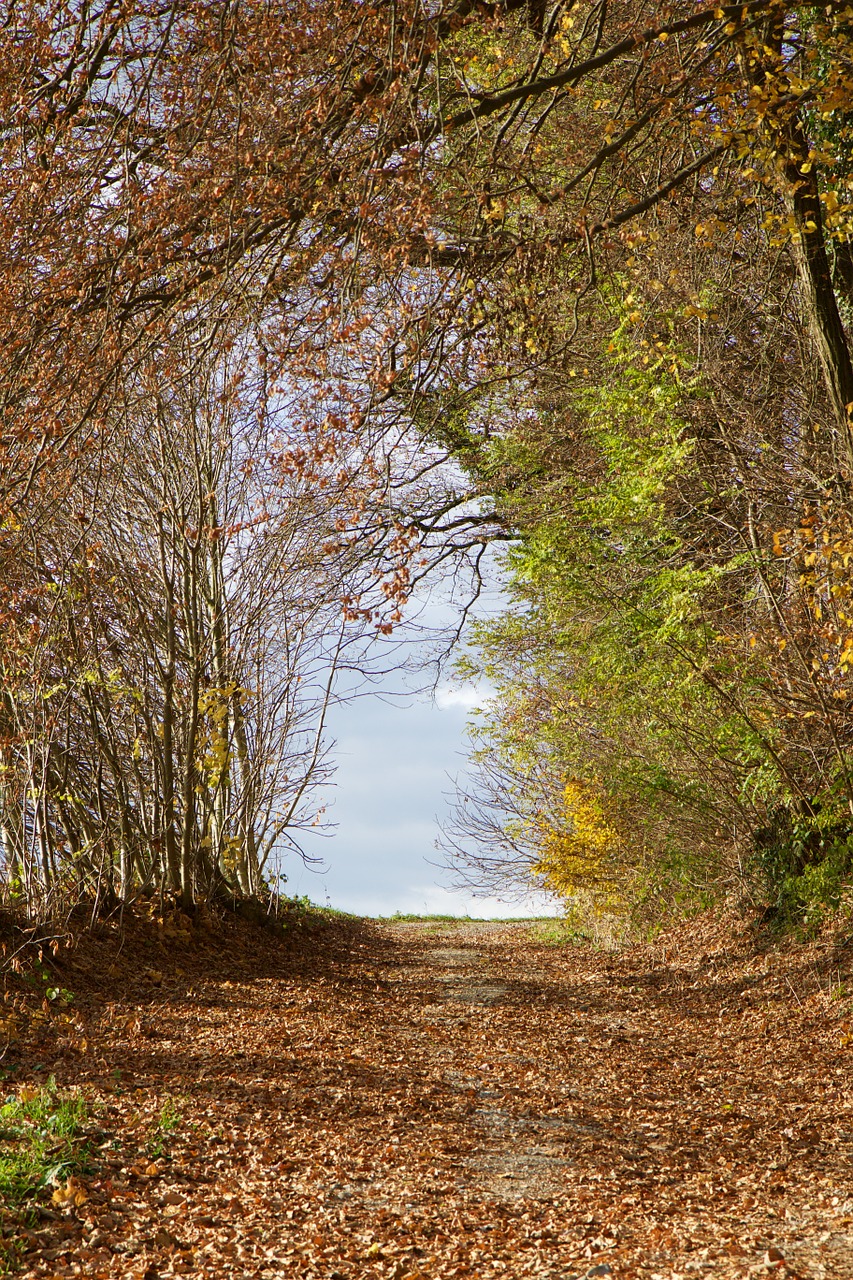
x=188, y=616
x=176, y=180
x=438, y=220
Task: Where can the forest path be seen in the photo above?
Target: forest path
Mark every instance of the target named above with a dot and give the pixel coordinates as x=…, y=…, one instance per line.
x=417, y=1100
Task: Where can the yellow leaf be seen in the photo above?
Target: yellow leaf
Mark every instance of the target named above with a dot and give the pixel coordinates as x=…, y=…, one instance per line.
x=71, y=1193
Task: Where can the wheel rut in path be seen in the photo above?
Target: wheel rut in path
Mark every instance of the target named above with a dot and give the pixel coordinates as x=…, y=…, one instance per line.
x=515, y=1156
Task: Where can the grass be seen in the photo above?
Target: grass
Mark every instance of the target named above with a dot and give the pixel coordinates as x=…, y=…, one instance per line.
x=40, y=1147
x=554, y=932
x=301, y=910
x=303, y=907
x=168, y=1120
x=402, y=917
x=39, y=1140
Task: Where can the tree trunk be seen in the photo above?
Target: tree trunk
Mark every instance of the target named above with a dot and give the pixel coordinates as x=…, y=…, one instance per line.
x=820, y=304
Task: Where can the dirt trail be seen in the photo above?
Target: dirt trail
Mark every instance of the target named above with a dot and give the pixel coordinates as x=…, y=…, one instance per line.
x=418, y=1101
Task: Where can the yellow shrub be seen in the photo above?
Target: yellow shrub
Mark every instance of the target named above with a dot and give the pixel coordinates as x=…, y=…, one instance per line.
x=580, y=856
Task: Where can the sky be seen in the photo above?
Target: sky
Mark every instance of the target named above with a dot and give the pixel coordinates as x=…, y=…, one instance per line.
x=395, y=761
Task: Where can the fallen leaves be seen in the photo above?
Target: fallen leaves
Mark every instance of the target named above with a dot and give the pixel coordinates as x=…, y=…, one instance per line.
x=381, y=1105
x=71, y=1193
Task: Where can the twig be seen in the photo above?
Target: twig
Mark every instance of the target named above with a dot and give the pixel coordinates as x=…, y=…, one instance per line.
x=796, y=997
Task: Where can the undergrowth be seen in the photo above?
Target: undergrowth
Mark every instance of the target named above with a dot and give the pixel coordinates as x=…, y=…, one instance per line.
x=39, y=1140
x=559, y=933
x=166, y=1123
x=40, y=1148
x=805, y=874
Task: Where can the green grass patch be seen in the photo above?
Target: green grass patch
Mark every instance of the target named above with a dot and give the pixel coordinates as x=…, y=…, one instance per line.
x=302, y=911
x=556, y=932
x=41, y=1147
x=402, y=917
x=166, y=1123
x=39, y=1140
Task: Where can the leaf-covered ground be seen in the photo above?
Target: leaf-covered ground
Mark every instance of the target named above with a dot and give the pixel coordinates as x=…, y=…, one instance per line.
x=413, y=1100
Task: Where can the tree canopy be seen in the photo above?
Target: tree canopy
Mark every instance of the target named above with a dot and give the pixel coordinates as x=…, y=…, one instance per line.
x=303, y=302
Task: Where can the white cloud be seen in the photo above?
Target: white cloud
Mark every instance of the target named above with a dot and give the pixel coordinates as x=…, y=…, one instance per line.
x=447, y=696
x=392, y=785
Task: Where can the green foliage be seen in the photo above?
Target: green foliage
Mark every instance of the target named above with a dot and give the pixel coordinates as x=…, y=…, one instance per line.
x=803, y=871
x=558, y=933
x=674, y=882
x=40, y=1131
x=634, y=419
x=166, y=1123
x=623, y=751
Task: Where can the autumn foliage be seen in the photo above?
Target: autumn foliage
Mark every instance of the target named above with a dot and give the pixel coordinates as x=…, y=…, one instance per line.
x=578, y=276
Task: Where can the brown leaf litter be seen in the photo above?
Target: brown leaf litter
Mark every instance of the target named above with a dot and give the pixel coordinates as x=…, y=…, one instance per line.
x=382, y=1101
